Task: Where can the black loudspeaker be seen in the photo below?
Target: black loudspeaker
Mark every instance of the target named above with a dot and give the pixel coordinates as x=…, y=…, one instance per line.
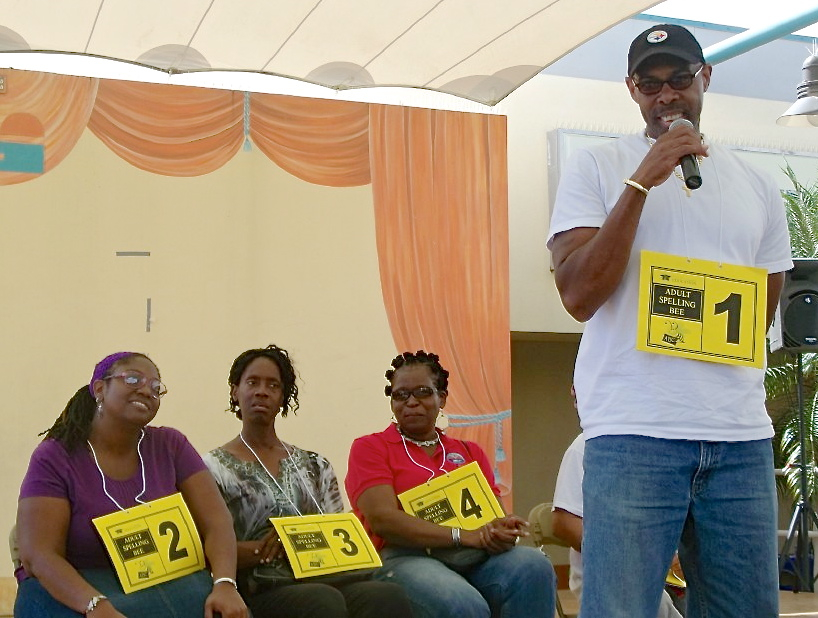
x=799, y=307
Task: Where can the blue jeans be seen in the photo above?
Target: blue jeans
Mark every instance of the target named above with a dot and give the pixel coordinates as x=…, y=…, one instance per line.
x=716, y=501
x=519, y=583
x=180, y=598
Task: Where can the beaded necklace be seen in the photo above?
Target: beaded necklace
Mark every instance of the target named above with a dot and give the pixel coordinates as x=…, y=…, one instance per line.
x=405, y=439
x=431, y=442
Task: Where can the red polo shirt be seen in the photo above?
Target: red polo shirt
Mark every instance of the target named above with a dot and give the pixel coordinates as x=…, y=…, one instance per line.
x=381, y=459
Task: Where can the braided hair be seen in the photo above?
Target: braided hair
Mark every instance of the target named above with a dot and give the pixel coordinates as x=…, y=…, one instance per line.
x=428, y=359
x=281, y=358
x=73, y=426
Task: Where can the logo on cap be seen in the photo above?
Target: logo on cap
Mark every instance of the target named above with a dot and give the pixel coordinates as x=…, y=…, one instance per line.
x=657, y=36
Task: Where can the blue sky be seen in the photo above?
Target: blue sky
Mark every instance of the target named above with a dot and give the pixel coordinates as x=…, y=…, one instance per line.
x=739, y=13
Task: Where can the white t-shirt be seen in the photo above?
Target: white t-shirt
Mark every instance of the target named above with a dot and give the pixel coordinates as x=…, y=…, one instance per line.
x=736, y=217
x=568, y=497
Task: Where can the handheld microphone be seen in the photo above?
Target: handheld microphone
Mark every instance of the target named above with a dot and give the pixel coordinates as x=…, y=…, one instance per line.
x=690, y=167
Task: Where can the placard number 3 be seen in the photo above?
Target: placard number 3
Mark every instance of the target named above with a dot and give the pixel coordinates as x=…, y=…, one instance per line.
x=351, y=548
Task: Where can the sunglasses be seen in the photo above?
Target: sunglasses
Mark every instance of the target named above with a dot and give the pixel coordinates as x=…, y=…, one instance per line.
x=679, y=81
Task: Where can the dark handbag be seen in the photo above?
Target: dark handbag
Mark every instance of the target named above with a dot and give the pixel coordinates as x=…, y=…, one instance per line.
x=280, y=573
x=459, y=559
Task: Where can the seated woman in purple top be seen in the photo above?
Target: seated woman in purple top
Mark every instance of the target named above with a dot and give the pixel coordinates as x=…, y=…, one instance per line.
x=98, y=457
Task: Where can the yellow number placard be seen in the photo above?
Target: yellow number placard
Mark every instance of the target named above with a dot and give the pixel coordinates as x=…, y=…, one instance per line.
x=460, y=499
x=674, y=580
x=152, y=543
x=325, y=544
x=702, y=309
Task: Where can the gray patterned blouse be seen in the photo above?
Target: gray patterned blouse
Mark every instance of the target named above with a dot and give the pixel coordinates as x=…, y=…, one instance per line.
x=305, y=478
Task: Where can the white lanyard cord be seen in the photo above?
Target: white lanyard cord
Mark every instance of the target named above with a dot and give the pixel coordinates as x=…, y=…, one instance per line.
x=138, y=497
x=303, y=480
x=420, y=465
x=297, y=472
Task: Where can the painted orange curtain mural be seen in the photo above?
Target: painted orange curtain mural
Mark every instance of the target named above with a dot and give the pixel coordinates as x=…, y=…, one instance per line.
x=322, y=142
x=41, y=118
x=439, y=185
x=169, y=130
x=441, y=219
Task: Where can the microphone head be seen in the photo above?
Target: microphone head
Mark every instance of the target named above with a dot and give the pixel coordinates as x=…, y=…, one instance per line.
x=680, y=122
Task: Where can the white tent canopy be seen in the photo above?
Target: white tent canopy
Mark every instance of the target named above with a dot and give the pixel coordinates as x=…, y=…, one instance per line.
x=480, y=50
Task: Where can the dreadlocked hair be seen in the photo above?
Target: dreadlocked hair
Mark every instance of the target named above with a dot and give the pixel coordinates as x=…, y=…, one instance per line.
x=281, y=358
x=430, y=360
x=73, y=426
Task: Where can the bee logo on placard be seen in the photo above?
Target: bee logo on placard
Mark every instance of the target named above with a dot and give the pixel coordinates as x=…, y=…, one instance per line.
x=673, y=338
x=145, y=570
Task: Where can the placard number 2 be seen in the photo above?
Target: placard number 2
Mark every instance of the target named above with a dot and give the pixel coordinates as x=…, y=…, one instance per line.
x=732, y=305
x=174, y=553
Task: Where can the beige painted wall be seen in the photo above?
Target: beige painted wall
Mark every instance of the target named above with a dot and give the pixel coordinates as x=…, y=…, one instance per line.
x=545, y=421
x=242, y=257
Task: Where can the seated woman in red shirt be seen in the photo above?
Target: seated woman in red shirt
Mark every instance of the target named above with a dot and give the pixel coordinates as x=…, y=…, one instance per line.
x=509, y=580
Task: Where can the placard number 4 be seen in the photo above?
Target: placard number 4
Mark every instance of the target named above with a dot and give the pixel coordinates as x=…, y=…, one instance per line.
x=468, y=505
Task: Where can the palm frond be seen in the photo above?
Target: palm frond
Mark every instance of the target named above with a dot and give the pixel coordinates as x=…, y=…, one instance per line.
x=790, y=449
x=802, y=216
x=781, y=380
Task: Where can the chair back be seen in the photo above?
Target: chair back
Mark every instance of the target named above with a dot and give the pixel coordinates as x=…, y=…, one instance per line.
x=542, y=536
x=14, y=550
x=541, y=527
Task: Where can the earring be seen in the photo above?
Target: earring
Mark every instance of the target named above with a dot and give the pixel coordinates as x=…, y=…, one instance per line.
x=442, y=422
x=99, y=407
x=394, y=420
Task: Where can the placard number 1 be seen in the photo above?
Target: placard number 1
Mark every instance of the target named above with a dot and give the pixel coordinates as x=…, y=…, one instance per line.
x=732, y=305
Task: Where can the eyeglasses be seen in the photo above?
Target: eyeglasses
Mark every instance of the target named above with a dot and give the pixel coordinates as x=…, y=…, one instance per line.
x=679, y=81
x=136, y=380
x=421, y=392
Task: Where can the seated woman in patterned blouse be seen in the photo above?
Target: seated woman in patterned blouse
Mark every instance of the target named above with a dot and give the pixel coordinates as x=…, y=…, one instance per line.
x=260, y=476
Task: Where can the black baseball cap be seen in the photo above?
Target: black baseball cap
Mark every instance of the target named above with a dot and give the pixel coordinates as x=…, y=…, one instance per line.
x=667, y=39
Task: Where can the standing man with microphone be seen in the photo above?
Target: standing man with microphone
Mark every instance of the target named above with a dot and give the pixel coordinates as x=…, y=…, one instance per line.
x=677, y=279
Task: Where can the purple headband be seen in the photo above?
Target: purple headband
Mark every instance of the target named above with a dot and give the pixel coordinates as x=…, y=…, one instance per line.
x=104, y=366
